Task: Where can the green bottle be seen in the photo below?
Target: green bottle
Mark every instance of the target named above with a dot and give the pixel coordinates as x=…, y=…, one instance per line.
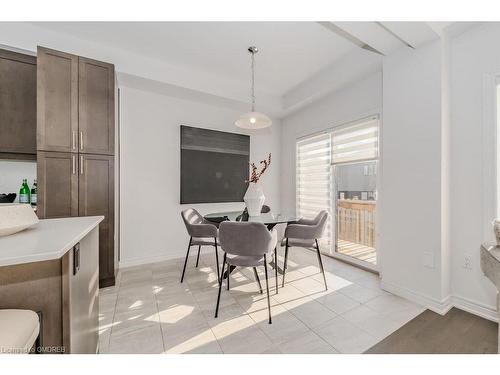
x=33, y=195
x=24, y=193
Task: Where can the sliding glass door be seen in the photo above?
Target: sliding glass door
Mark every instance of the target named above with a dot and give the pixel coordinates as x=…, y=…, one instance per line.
x=337, y=171
x=355, y=165
x=355, y=210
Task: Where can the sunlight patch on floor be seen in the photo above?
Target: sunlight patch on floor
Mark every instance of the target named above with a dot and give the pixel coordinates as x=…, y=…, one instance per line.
x=175, y=314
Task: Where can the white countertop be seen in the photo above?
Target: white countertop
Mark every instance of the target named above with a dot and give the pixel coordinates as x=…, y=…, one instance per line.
x=49, y=239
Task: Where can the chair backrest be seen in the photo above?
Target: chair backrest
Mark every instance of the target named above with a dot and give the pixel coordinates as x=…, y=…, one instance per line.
x=320, y=221
x=191, y=217
x=246, y=238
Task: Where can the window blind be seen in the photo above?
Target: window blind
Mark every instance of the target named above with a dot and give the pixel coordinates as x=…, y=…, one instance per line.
x=355, y=142
x=316, y=155
x=314, y=179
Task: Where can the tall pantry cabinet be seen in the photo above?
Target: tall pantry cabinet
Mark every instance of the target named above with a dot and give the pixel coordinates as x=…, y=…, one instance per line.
x=76, y=144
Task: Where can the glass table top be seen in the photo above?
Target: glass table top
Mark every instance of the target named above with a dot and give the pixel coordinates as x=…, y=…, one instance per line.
x=265, y=218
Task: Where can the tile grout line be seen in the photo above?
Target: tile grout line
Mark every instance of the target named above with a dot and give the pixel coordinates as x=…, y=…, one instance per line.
x=112, y=321
x=337, y=315
x=114, y=310
x=134, y=329
x=274, y=345
x=310, y=328
x=159, y=319
x=202, y=314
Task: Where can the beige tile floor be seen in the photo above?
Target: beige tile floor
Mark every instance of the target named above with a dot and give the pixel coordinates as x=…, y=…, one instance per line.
x=150, y=311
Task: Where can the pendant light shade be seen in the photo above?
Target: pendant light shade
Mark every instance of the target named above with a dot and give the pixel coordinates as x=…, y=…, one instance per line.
x=253, y=119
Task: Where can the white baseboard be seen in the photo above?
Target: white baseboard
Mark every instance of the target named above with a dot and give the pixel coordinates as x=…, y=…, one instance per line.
x=476, y=308
x=443, y=306
x=440, y=307
x=124, y=263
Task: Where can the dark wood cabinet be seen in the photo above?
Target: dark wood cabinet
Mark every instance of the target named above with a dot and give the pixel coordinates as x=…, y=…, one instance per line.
x=17, y=105
x=96, y=197
x=80, y=296
x=57, y=174
x=76, y=144
x=96, y=119
x=75, y=98
x=71, y=184
x=57, y=101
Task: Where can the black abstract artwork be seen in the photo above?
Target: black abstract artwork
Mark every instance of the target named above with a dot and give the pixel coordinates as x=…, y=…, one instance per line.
x=214, y=165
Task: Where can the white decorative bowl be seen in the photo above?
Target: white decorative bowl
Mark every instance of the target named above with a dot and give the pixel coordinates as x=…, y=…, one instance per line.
x=496, y=229
x=15, y=218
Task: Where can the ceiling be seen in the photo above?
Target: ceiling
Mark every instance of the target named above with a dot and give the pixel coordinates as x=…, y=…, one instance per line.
x=297, y=62
x=220, y=48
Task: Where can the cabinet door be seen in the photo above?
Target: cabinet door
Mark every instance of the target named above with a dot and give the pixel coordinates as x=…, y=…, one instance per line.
x=17, y=103
x=96, y=107
x=96, y=197
x=57, y=101
x=57, y=174
x=81, y=324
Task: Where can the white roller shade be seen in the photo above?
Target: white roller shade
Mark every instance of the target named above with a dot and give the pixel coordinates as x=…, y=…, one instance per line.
x=314, y=179
x=355, y=142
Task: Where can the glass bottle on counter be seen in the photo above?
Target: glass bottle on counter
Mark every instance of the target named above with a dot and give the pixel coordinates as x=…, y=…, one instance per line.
x=33, y=198
x=24, y=192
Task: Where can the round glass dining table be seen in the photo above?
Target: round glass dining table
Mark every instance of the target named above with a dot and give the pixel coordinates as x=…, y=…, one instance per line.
x=269, y=219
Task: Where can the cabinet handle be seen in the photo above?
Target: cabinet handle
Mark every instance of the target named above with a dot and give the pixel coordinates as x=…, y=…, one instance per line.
x=74, y=140
x=73, y=160
x=81, y=140
x=81, y=164
x=76, y=259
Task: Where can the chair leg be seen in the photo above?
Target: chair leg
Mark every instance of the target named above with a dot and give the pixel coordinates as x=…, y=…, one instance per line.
x=217, y=260
x=198, y=257
x=321, y=264
x=267, y=290
x=257, y=279
x=185, y=262
x=228, y=277
x=276, y=267
x=220, y=286
x=285, y=263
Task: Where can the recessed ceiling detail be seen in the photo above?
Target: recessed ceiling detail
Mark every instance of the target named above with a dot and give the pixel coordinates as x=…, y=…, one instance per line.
x=303, y=61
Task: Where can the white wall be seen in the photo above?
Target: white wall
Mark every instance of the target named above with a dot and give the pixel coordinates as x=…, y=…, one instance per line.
x=410, y=206
x=151, y=225
x=12, y=173
x=475, y=60
x=361, y=99
x=410, y=199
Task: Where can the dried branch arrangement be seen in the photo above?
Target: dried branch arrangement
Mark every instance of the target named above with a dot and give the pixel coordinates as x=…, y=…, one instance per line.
x=255, y=176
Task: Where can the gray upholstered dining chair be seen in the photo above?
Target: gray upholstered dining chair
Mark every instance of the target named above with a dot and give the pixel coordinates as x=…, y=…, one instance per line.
x=246, y=244
x=202, y=233
x=305, y=233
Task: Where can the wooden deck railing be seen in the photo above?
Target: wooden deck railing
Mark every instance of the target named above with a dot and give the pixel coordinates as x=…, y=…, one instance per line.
x=356, y=221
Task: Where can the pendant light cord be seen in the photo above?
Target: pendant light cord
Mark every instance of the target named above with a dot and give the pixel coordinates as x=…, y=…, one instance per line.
x=253, y=81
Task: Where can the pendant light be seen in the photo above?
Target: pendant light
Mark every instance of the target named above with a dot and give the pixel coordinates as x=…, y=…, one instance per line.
x=253, y=119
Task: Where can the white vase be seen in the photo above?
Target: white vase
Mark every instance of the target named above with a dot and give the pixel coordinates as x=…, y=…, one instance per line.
x=254, y=199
